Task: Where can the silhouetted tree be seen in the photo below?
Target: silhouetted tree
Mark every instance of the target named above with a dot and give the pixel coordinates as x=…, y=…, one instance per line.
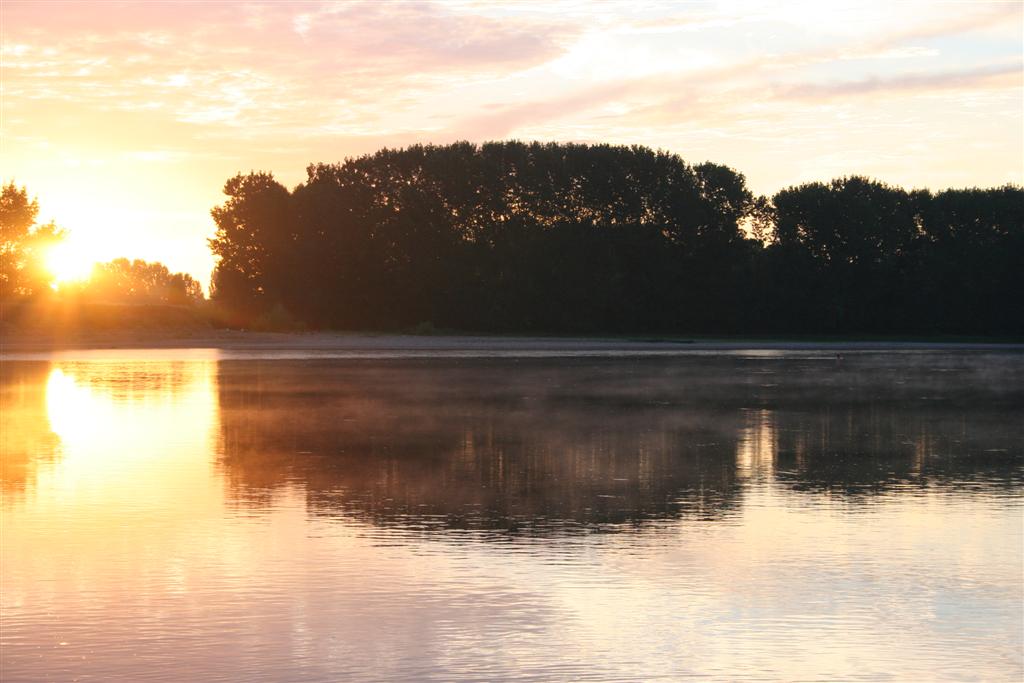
x=856, y=255
x=969, y=274
x=254, y=242
x=23, y=244
x=847, y=246
x=598, y=238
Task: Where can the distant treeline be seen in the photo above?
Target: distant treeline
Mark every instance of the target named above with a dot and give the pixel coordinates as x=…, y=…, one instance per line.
x=139, y=282
x=575, y=238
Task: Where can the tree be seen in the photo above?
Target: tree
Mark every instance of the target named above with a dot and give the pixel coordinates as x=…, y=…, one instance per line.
x=23, y=244
x=849, y=244
x=969, y=275
x=253, y=242
x=138, y=281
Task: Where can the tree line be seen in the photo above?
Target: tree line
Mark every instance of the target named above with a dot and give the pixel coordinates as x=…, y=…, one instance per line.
x=137, y=281
x=24, y=275
x=573, y=238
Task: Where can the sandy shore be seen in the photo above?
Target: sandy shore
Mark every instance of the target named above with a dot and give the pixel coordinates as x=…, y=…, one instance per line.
x=325, y=342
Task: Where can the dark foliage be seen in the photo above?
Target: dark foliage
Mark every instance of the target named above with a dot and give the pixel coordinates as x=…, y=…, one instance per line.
x=578, y=238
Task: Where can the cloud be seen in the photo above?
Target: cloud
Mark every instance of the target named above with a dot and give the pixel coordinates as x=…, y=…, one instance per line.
x=427, y=37
x=1000, y=75
x=358, y=66
x=254, y=67
x=727, y=91
x=970, y=17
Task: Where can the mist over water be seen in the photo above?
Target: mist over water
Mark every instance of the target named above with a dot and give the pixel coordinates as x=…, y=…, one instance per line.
x=737, y=516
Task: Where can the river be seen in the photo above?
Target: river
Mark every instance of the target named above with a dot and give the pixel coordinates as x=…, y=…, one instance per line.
x=737, y=514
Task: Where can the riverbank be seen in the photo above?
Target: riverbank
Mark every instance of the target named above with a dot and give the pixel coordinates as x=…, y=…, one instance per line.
x=323, y=342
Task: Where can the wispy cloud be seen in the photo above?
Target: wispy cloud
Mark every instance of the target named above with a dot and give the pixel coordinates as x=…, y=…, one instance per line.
x=1010, y=76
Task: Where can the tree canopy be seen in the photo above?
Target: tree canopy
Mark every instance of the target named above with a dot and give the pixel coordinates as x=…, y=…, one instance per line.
x=510, y=236
x=504, y=236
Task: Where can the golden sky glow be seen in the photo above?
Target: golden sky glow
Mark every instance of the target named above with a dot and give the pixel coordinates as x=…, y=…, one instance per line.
x=125, y=119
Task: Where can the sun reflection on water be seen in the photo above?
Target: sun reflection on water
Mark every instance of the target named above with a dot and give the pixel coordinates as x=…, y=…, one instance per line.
x=131, y=433
x=75, y=414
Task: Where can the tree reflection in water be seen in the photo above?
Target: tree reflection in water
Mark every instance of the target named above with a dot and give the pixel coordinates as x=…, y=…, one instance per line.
x=544, y=446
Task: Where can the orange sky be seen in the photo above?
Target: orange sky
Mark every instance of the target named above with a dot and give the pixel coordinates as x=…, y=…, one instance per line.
x=125, y=119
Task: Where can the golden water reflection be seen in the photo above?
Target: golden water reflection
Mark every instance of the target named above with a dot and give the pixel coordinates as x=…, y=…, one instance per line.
x=111, y=434
x=26, y=439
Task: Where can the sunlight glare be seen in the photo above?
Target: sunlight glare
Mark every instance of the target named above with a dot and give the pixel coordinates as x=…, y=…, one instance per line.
x=119, y=426
x=68, y=264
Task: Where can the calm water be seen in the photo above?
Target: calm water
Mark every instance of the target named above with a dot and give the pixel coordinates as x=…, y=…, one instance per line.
x=782, y=516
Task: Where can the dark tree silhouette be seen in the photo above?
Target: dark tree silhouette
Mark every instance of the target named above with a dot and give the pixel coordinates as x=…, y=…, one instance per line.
x=509, y=236
x=969, y=271
x=859, y=256
x=253, y=241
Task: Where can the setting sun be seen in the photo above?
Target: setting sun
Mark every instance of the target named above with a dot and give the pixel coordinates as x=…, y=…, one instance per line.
x=68, y=264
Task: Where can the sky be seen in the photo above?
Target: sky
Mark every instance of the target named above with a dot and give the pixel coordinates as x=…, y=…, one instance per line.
x=125, y=119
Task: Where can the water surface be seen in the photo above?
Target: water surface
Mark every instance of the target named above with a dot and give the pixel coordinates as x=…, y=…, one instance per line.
x=782, y=515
